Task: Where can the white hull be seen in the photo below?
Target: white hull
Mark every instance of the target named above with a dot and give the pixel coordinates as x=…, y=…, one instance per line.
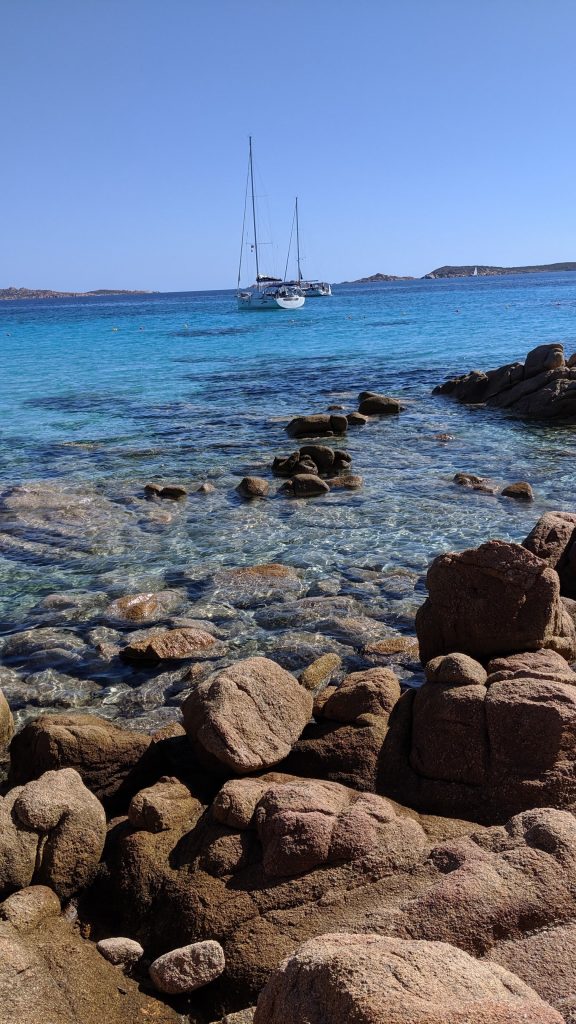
x=260, y=300
x=317, y=291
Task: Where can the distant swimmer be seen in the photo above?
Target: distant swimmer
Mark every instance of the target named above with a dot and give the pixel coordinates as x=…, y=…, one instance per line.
x=114, y=328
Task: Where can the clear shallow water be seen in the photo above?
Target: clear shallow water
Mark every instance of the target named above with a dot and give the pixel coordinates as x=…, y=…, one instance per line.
x=187, y=389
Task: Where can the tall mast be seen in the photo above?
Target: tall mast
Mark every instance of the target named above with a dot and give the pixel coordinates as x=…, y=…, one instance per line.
x=298, y=243
x=254, y=212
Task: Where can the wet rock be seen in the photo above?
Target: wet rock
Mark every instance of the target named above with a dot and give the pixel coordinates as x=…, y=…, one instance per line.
x=295, y=463
x=371, y=978
x=457, y=669
x=317, y=425
x=329, y=461
x=544, y=387
x=320, y=672
x=174, y=492
x=356, y=419
x=163, y=806
x=348, y=481
x=554, y=540
x=373, y=404
x=253, y=487
x=474, y=483
x=306, y=612
x=188, y=968
x=306, y=485
x=493, y=600
x=248, y=716
x=171, y=645
x=52, y=834
x=205, y=488
x=146, y=607
x=120, y=950
x=520, y=491
x=104, y=754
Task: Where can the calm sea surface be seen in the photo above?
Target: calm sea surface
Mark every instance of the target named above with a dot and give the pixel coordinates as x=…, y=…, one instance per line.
x=104, y=394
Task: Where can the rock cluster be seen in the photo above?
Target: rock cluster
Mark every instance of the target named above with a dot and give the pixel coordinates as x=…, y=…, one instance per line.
x=543, y=387
x=411, y=857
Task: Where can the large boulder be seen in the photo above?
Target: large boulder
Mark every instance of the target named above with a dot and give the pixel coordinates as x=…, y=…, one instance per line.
x=544, y=387
x=248, y=716
x=371, y=979
x=105, y=756
x=486, y=750
x=275, y=861
x=554, y=540
x=53, y=832
x=493, y=600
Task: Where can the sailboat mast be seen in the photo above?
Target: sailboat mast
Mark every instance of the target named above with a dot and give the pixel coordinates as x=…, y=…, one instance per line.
x=254, y=211
x=298, y=243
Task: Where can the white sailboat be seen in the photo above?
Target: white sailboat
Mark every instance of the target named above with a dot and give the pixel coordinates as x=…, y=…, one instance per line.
x=267, y=293
x=311, y=289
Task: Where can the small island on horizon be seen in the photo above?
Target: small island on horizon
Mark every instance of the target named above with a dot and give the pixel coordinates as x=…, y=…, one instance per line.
x=473, y=270
x=48, y=293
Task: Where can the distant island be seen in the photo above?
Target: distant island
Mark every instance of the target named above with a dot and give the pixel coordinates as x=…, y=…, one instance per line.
x=549, y=268
x=376, y=278
x=47, y=293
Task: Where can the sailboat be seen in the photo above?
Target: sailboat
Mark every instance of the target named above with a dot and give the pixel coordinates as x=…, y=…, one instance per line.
x=311, y=289
x=475, y=272
x=267, y=293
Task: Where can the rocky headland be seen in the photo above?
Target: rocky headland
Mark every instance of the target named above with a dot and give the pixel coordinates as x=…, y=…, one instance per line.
x=239, y=798
x=7, y=294
x=481, y=270
x=542, y=387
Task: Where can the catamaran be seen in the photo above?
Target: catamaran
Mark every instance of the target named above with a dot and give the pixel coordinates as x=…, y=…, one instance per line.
x=311, y=289
x=268, y=292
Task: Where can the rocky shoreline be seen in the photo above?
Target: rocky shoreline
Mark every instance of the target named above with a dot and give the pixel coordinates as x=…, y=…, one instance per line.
x=346, y=801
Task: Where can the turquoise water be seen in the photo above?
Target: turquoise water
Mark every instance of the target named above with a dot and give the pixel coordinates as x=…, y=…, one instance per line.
x=102, y=395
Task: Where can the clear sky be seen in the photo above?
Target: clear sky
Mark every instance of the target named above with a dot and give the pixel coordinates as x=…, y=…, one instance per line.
x=416, y=133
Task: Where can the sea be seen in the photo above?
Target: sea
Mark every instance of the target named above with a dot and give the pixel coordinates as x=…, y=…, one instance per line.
x=100, y=395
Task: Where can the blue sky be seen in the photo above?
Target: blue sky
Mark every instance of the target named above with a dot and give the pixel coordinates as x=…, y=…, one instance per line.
x=415, y=134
